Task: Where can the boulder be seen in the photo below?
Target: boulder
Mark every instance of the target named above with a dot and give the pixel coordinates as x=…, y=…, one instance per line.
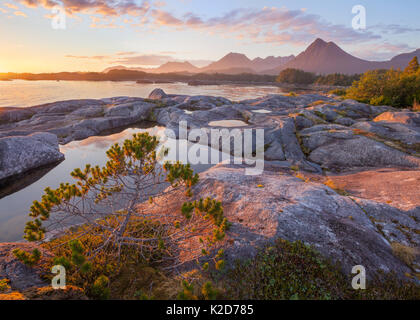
x=270, y=206
x=345, y=121
x=21, y=276
x=408, y=135
x=359, y=152
x=157, y=94
x=14, y=114
x=21, y=153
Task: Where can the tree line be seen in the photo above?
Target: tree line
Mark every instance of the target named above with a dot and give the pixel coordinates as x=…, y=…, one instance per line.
x=296, y=76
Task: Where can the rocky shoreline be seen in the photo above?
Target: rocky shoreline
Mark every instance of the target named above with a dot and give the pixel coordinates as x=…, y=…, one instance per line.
x=311, y=142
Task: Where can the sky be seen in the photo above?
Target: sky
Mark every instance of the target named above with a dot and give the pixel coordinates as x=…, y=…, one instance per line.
x=91, y=35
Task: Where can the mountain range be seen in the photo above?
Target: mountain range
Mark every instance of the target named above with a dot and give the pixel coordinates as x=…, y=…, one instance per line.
x=320, y=57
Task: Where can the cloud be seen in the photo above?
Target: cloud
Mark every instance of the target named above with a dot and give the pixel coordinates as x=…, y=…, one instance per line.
x=125, y=53
x=267, y=25
x=20, y=13
x=131, y=58
x=11, y=6
x=102, y=7
x=87, y=57
x=144, y=60
x=128, y=58
x=382, y=51
x=394, y=29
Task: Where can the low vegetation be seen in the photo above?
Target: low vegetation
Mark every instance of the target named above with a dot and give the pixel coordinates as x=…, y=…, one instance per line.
x=400, y=89
x=288, y=270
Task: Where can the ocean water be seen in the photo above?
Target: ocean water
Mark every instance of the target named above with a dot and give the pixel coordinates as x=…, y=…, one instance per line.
x=23, y=93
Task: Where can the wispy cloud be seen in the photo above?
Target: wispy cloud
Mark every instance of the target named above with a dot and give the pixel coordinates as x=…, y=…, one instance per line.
x=267, y=25
x=394, y=29
x=382, y=51
x=131, y=58
x=102, y=7
x=20, y=14
x=11, y=6
x=87, y=57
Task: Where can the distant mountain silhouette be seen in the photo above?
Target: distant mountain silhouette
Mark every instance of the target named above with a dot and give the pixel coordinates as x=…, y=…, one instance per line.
x=229, y=61
x=176, y=67
x=169, y=67
x=259, y=64
x=118, y=68
x=326, y=57
x=320, y=57
x=234, y=63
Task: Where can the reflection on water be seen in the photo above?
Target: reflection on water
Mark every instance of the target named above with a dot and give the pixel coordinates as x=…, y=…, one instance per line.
x=14, y=207
x=261, y=111
x=228, y=123
x=21, y=93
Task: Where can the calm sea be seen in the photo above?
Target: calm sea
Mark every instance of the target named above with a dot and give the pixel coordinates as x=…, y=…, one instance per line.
x=22, y=93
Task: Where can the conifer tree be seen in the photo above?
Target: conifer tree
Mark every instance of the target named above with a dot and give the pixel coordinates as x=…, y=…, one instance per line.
x=105, y=204
x=413, y=66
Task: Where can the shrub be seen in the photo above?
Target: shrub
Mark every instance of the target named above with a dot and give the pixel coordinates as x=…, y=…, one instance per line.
x=338, y=92
x=29, y=259
x=337, y=79
x=406, y=254
x=4, y=285
x=100, y=288
x=400, y=89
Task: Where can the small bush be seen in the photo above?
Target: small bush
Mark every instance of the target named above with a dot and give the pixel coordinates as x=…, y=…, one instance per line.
x=4, y=285
x=100, y=288
x=400, y=89
x=338, y=92
x=404, y=253
x=29, y=259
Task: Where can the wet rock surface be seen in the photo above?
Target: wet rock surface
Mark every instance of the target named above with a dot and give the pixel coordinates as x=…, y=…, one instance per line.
x=19, y=154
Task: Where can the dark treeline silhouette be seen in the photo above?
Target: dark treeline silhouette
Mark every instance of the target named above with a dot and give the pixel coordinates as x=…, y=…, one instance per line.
x=296, y=76
x=125, y=75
